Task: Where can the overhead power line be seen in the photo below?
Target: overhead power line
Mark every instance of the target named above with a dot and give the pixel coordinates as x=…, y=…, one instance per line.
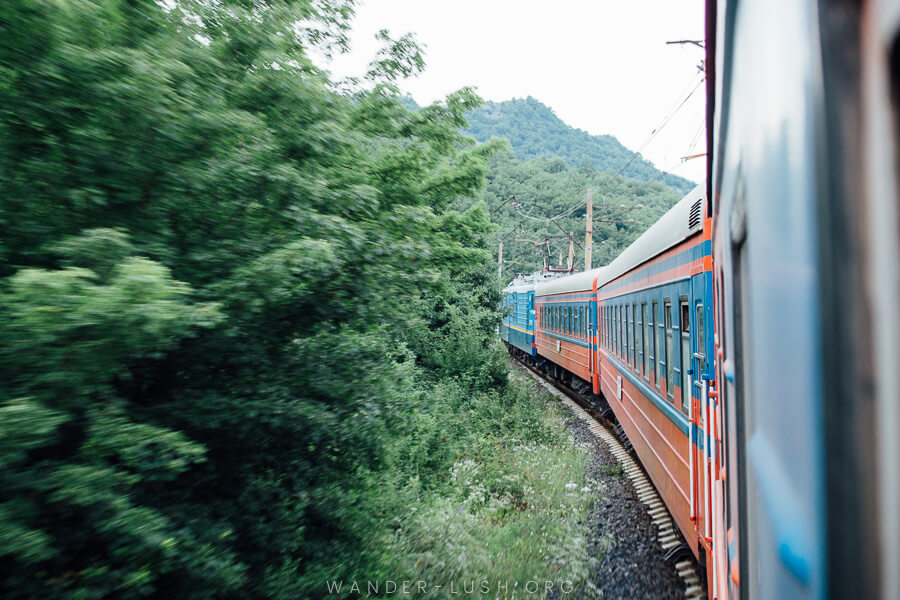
x=637, y=152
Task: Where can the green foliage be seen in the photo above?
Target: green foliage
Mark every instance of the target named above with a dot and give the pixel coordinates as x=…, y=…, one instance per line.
x=495, y=491
x=551, y=184
x=227, y=288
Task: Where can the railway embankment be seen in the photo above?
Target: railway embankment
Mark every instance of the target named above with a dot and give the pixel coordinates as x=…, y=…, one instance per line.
x=625, y=559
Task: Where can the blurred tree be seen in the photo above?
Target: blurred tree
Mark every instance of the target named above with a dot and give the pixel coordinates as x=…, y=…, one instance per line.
x=210, y=263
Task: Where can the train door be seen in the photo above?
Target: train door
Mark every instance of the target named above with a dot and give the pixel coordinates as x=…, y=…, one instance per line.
x=691, y=408
x=684, y=311
x=531, y=327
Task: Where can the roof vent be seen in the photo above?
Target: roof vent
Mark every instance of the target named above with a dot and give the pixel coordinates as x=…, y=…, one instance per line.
x=694, y=217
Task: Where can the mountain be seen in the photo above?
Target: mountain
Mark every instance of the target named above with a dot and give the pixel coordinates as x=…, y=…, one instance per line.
x=534, y=130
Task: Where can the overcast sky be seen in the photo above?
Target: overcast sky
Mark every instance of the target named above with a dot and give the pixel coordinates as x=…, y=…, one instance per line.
x=601, y=65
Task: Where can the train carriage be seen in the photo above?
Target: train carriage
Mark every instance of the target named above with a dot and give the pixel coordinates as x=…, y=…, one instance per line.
x=517, y=326
x=566, y=323
x=652, y=366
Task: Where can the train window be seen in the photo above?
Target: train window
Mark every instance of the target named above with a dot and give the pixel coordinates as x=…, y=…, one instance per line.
x=576, y=322
x=606, y=333
x=654, y=312
x=605, y=321
x=669, y=353
x=629, y=336
x=686, y=386
x=626, y=318
x=632, y=347
x=645, y=349
x=623, y=320
x=617, y=331
x=604, y=316
x=629, y=332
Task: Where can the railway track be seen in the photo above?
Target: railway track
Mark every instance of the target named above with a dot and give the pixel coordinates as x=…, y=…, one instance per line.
x=668, y=535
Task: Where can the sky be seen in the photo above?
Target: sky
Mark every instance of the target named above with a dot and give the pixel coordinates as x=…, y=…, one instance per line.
x=601, y=65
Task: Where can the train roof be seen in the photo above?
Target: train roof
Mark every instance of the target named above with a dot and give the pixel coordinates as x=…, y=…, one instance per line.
x=527, y=283
x=519, y=287
x=578, y=282
x=671, y=228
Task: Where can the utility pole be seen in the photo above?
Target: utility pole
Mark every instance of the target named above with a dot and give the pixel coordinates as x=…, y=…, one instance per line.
x=500, y=262
x=570, y=264
x=589, y=230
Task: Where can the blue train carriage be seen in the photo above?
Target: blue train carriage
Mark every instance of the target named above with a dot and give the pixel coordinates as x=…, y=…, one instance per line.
x=517, y=327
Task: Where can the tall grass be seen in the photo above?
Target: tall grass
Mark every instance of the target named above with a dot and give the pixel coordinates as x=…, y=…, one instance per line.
x=495, y=496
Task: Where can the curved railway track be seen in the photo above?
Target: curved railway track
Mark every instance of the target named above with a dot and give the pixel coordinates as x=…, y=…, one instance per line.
x=602, y=425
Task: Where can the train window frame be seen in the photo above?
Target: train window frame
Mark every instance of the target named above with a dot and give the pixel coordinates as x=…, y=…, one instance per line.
x=600, y=338
x=684, y=311
x=617, y=324
x=645, y=351
x=632, y=328
x=654, y=330
x=616, y=330
x=619, y=312
x=628, y=341
x=605, y=315
x=612, y=329
x=613, y=335
x=668, y=349
x=699, y=324
x=606, y=333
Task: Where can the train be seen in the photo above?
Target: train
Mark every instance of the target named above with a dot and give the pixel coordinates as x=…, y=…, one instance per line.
x=637, y=335
x=748, y=343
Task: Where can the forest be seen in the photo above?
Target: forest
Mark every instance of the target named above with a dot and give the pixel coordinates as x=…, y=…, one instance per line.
x=534, y=131
x=248, y=313
x=623, y=208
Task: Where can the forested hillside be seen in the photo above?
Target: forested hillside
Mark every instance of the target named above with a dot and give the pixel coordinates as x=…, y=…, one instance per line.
x=556, y=186
x=247, y=322
x=535, y=131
